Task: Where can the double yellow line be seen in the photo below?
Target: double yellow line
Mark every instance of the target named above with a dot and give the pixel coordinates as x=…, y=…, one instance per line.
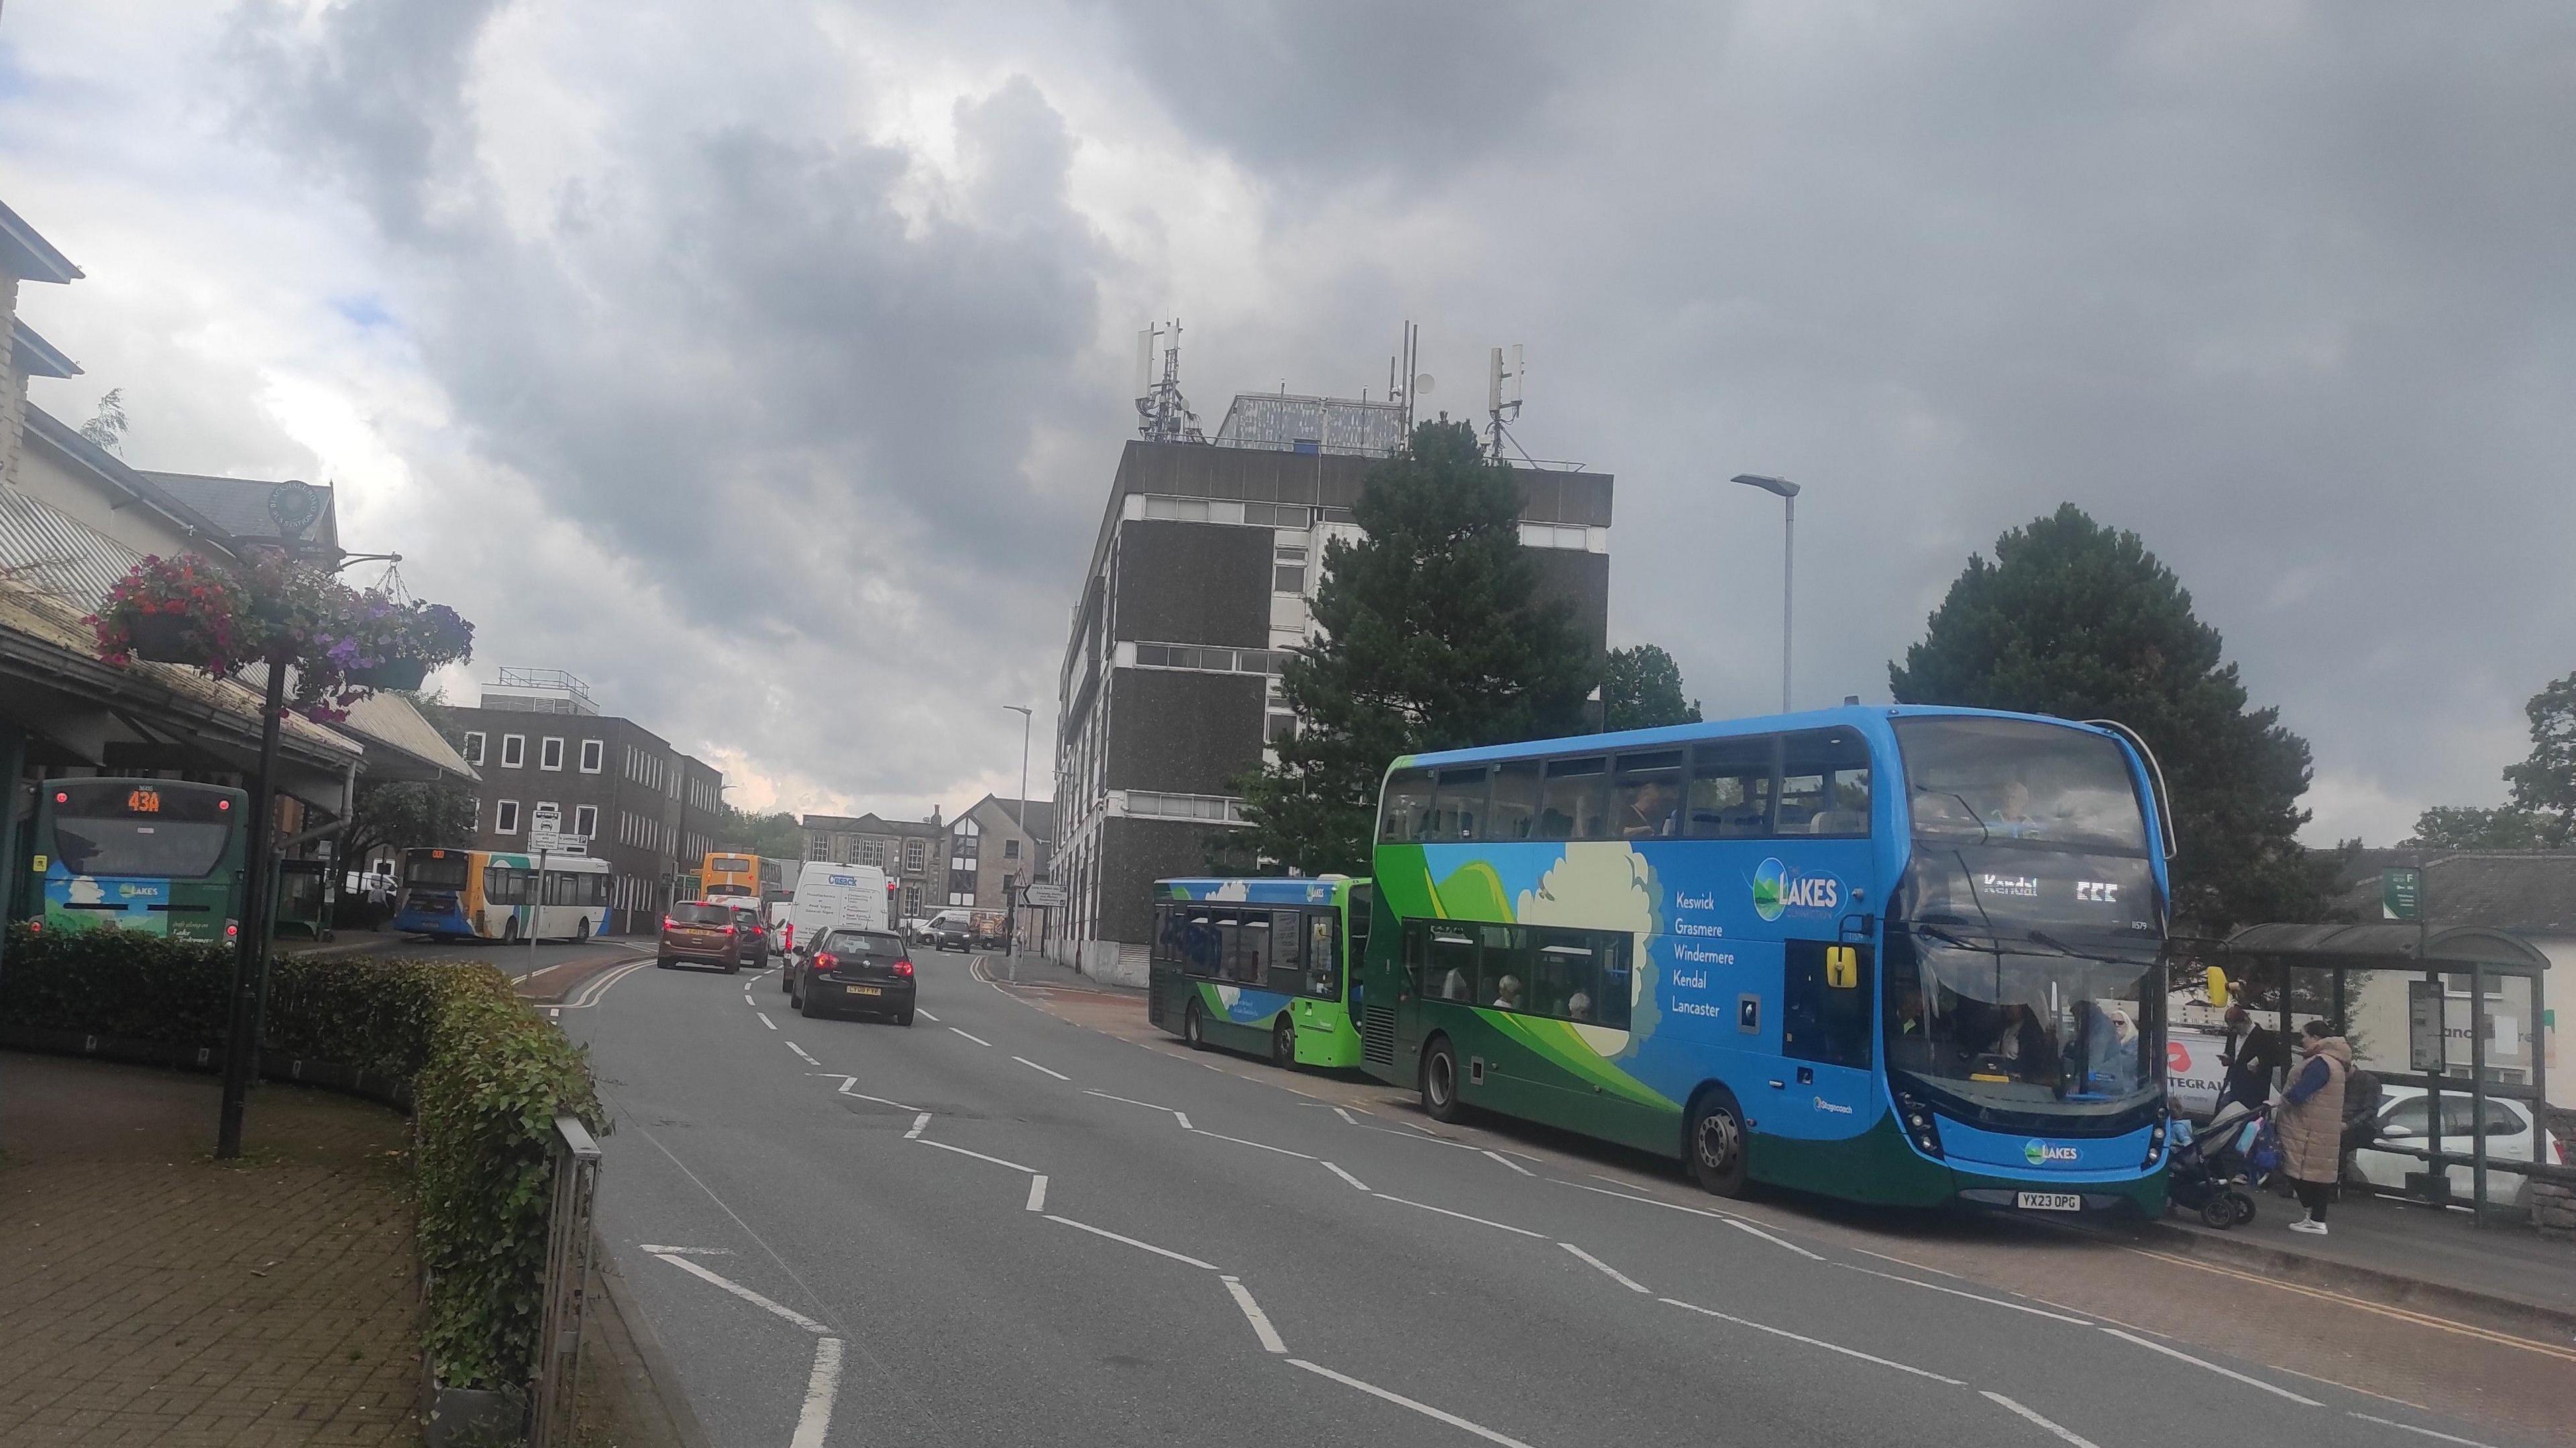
x=2443, y=1324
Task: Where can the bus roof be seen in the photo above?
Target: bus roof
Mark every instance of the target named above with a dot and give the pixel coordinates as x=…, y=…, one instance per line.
x=1273, y=890
x=1847, y=715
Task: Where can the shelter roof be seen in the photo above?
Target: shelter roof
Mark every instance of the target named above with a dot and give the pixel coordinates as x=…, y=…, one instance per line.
x=239, y=506
x=2387, y=945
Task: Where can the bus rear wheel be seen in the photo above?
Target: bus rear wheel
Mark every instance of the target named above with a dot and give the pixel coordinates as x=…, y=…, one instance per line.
x=1716, y=1144
x=1283, y=1043
x=1440, y=1082
x=1194, y=1030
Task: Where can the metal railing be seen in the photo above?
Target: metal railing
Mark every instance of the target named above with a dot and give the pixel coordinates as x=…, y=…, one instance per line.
x=568, y=1251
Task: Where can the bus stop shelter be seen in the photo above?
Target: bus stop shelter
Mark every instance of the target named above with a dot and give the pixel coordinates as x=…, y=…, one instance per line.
x=2311, y=971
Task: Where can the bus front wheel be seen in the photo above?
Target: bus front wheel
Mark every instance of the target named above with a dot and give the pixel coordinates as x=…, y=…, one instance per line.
x=1283, y=1044
x=1440, y=1081
x=1716, y=1145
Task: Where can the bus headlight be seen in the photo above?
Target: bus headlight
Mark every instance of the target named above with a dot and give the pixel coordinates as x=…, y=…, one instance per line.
x=2155, y=1145
x=1919, y=1127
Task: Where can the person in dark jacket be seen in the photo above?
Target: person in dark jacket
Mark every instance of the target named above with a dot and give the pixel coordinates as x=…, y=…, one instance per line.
x=2361, y=1100
x=2253, y=1053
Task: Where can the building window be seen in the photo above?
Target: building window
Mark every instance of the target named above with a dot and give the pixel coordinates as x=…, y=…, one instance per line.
x=1288, y=578
x=505, y=817
x=514, y=750
x=872, y=852
x=958, y=897
x=1282, y=726
x=819, y=848
x=1010, y=849
x=474, y=747
x=478, y=813
x=915, y=856
x=550, y=753
x=594, y=755
x=585, y=820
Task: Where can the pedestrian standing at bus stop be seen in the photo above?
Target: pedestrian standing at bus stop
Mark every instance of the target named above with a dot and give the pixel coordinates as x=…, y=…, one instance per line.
x=2311, y=1121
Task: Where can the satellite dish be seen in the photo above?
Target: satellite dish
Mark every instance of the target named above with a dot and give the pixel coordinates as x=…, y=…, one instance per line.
x=1422, y=385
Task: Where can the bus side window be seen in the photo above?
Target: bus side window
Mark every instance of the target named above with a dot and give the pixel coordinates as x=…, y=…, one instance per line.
x=1571, y=803
x=1824, y=785
x=1458, y=810
x=1287, y=963
x=1323, y=965
x=1202, y=944
x=1513, y=811
x=1730, y=789
x=1504, y=967
x=1449, y=972
x=1408, y=806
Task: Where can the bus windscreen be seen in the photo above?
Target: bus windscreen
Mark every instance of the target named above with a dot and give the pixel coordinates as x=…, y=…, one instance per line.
x=130, y=828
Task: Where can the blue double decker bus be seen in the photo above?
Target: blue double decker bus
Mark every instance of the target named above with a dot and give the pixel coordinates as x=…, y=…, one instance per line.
x=1900, y=955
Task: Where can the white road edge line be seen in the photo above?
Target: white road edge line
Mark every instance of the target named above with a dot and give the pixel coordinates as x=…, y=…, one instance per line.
x=745, y=1293
x=1252, y=1313
x=1743, y=1226
x=1622, y=1278
x=849, y=1087
x=1037, y=1193
x=1132, y=1101
x=970, y=1035
x=1507, y=1161
x=1972, y=1296
x=918, y=1123
x=1130, y=1241
x=925, y=1015
x=800, y=1054
x=979, y=1156
x=2411, y=1428
x=1461, y=1216
x=2213, y=1367
x=2070, y=1435
x=1811, y=1341
x=657, y=1249
x=765, y=1020
x=1346, y=1176
x=1649, y=1201
x=1263, y=1145
x=1401, y=1401
x=1034, y=1066
x=1345, y=1115
x=821, y=1386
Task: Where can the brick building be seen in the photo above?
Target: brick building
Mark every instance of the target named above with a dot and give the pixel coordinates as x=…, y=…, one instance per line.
x=913, y=853
x=649, y=810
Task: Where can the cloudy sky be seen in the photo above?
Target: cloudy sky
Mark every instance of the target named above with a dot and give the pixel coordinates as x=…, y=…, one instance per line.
x=766, y=363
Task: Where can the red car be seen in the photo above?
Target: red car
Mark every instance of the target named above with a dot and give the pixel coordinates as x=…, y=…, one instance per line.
x=707, y=932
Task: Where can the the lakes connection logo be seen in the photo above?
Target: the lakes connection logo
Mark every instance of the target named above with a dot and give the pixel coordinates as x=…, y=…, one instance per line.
x=2040, y=1153
x=1777, y=889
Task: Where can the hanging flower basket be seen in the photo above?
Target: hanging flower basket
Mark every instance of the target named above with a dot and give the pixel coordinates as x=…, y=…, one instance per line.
x=391, y=674
x=164, y=638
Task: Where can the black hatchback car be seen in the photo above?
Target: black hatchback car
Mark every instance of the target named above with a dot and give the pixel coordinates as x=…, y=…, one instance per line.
x=855, y=972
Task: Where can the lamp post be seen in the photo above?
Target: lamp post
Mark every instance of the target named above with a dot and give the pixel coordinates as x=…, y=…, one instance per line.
x=1787, y=492
x=1020, y=815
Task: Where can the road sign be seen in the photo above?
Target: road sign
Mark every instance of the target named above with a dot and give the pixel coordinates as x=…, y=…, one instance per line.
x=2401, y=894
x=556, y=842
x=1044, y=896
x=2424, y=1038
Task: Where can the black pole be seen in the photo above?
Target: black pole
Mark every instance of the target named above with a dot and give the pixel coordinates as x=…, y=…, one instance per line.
x=250, y=957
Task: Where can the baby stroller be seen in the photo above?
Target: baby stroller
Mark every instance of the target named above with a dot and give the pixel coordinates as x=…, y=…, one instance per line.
x=2211, y=1169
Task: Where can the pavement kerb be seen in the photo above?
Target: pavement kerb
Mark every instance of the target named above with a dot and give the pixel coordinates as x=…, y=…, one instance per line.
x=2396, y=1289
x=653, y=1363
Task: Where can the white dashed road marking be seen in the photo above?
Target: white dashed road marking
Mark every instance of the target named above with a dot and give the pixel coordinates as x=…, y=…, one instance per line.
x=1034, y=1066
x=970, y=1035
x=1810, y=1341
x=1622, y=1278
x=1401, y=1401
x=2070, y=1435
x=1252, y=1313
x=1130, y=1241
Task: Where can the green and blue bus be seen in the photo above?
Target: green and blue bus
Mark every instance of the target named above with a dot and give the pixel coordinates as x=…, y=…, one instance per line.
x=1261, y=965
x=153, y=856
x=1894, y=955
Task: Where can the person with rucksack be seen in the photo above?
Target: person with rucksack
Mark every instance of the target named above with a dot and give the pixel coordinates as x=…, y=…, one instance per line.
x=2361, y=1101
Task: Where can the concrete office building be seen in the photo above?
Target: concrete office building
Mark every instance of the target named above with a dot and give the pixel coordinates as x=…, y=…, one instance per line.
x=1203, y=570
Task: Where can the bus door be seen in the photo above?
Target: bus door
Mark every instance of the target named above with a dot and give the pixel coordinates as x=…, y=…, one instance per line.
x=1824, y=1080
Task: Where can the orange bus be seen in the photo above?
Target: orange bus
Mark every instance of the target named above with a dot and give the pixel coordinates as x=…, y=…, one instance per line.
x=726, y=873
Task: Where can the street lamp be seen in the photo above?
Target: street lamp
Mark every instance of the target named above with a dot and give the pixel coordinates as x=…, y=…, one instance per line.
x=1787, y=492
x=1021, y=814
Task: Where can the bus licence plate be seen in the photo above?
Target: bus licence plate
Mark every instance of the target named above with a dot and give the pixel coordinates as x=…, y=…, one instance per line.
x=865, y=990
x=2052, y=1202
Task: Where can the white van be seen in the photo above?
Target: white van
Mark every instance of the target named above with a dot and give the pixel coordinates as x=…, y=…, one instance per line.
x=828, y=895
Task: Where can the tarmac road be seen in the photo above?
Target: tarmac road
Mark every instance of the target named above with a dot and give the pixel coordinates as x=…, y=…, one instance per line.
x=1000, y=1226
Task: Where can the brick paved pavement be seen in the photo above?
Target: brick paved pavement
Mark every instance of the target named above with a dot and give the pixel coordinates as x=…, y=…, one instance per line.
x=150, y=1296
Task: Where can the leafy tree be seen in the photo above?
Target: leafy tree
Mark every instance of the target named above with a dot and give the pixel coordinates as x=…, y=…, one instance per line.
x=2081, y=621
x=2544, y=786
x=1642, y=689
x=390, y=815
x=776, y=835
x=1435, y=636
x=106, y=427
x=2542, y=811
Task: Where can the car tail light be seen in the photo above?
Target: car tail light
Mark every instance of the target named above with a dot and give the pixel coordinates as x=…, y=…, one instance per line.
x=728, y=930
x=826, y=962
x=670, y=924
x=903, y=967
x=232, y=930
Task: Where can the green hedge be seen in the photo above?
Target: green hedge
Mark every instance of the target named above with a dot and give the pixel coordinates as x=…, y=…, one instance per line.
x=488, y=1077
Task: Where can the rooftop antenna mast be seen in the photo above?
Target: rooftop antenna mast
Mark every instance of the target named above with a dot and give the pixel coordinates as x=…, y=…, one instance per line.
x=1162, y=413
x=1404, y=386
x=1502, y=399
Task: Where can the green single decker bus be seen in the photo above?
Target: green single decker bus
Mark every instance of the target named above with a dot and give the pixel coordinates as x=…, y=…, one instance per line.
x=154, y=856
x=1262, y=965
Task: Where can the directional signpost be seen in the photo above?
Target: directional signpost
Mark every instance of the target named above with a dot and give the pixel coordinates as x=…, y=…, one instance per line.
x=546, y=836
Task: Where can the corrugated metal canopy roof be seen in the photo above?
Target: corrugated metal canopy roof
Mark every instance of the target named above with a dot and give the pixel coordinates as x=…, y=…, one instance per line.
x=2388, y=945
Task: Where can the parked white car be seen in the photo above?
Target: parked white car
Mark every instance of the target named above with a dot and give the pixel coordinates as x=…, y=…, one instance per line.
x=2405, y=1116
